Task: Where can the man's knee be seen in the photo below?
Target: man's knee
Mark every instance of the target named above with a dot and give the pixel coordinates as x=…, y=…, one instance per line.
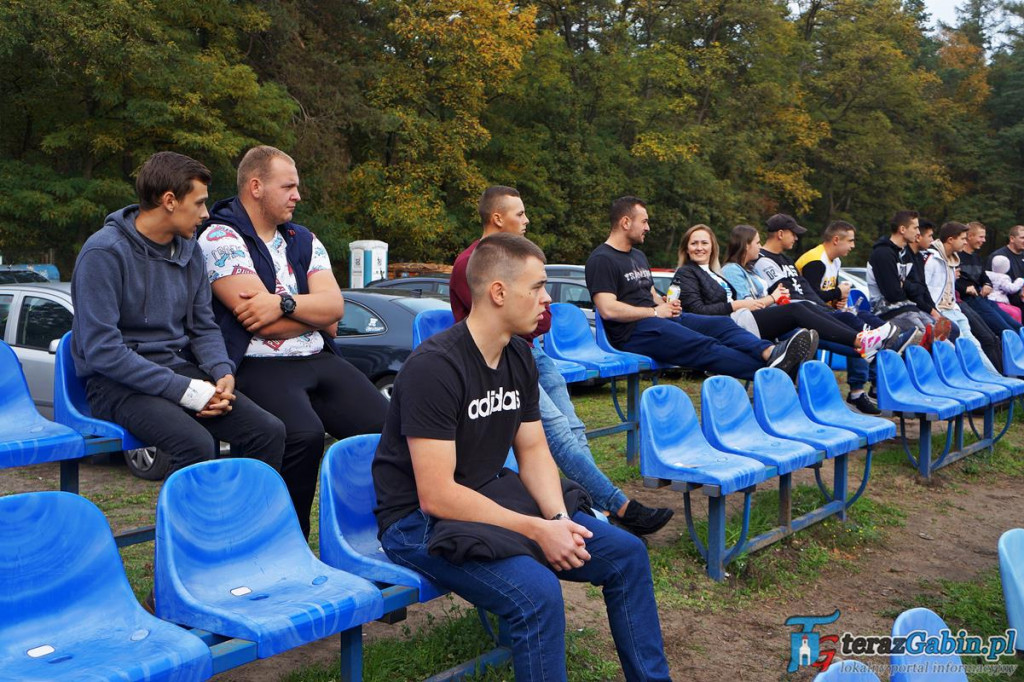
x=542, y=603
x=267, y=441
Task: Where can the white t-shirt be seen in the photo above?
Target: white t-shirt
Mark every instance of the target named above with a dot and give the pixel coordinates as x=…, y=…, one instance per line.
x=226, y=255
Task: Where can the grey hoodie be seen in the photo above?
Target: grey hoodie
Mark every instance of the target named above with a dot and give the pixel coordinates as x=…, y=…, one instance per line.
x=940, y=275
x=136, y=312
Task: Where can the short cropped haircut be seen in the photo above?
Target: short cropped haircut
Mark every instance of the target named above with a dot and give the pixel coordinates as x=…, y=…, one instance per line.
x=256, y=164
x=168, y=172
x=951, y=230
x=836, y=228
x=492, y=199
x=623, y=207
x=1015, y=231
x=902, y=219
x=975, y=225
x=500, y=256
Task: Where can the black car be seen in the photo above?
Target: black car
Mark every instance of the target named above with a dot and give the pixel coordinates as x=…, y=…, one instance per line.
x=376, y=333
x=424, y=285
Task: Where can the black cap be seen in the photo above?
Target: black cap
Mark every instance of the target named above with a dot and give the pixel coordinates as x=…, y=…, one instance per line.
x=781, y=221
x=951, y=230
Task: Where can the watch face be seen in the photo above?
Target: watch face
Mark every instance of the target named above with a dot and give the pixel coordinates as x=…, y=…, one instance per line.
x=287, y=304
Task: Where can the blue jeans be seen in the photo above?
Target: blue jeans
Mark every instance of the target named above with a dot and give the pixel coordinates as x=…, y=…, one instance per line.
x=567, y=438
x=528, y=596
x=994, y=316
x=703, y=342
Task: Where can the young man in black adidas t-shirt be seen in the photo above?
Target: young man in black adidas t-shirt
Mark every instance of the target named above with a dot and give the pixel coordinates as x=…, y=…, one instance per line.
x=461, y=400
x=637, y=319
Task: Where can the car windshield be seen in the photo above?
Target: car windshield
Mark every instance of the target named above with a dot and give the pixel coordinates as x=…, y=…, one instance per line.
x=20, y=277
x=418, y=305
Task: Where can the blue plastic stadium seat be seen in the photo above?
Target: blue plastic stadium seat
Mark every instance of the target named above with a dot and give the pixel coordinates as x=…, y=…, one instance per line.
x=672, y=446
x=1011, y=570
x=570, y=371
x=949, y=369
x=923, y=667
x=231, y=559
x=643, y=362
x=729, y=424
x=847, y=671
x=348, y=527
x=974, y=367
x=26, y=437
x=429, y=322
x=923, y=376
x=824, y=404
x=856, y=300
x=70, y=406
x=570, y=338
x=897, y=394
x=1013, y=354
x=778, y=411
x=66, y=609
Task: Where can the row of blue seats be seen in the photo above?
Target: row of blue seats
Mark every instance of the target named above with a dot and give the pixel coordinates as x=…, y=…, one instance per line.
x=949, y=384
x=736, y=446
x=245, y=585
x=930, y=667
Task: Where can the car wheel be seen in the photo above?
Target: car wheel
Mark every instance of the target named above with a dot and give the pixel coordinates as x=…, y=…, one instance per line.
x=148, y=463
x=385, y=384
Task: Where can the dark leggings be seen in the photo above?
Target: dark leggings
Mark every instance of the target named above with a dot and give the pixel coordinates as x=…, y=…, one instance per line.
x=780, y=319
x=311, y=394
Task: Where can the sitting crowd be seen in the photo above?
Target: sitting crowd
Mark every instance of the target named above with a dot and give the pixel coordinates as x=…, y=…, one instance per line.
x=193, y=328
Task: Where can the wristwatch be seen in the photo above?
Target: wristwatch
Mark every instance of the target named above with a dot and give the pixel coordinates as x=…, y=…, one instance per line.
x=559, y=516
x=287, y=304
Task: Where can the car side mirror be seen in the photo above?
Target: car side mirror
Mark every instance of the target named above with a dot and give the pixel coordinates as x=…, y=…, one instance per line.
x=53, y=346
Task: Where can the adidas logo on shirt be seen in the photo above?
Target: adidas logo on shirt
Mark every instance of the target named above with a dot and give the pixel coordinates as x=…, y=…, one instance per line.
x=494, y=401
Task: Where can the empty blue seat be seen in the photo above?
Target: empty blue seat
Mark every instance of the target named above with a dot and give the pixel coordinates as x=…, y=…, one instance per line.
x=1011, y=570
x=570, y=371
x=923, y=667
x=348, y=527
x=644, y=362
x=974, y=367
x=949, y=369
x=26, y=437
x=71, y=408
x=778, y=411
x=231, y=559
x=429, y=322
x=570, y=338
x=923, y=376
x=1013, y=354
x=857, y=300
x=673, y=448
x=728, y=423
x=67, y=611
x=897, y=394
x=824, y=404
x=847, y=671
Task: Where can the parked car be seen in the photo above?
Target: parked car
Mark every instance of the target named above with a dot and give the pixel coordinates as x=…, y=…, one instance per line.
x=565, y=270
x=375, y=334
x=571, y=290
x=20, y=277
x=424, y=285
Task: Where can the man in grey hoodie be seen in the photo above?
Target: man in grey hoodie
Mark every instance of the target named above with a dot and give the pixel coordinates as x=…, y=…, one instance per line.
x=144, y=337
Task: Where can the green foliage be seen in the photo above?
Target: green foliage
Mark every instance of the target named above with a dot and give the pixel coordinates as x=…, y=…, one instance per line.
x=400, y=112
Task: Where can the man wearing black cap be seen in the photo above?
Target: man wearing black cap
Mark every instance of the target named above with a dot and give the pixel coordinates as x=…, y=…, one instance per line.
x=776, y=268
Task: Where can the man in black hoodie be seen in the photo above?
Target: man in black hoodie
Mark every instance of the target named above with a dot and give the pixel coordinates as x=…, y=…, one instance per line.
x=896, y=280
x=278, y=304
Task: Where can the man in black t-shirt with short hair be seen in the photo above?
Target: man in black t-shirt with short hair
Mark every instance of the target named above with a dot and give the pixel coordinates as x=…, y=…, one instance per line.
x=461, y=400
x=639, y=320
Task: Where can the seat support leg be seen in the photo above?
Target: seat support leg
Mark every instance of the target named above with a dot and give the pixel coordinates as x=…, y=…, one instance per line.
x=69, y=475
x=352, y=655
x=840, y=483
x=716, y=538
x=786, y=501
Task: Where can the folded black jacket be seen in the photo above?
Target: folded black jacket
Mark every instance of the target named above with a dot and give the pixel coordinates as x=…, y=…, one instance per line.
x=462, y=541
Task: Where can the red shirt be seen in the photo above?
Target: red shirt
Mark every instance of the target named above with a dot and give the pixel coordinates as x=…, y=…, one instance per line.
x=462, y=300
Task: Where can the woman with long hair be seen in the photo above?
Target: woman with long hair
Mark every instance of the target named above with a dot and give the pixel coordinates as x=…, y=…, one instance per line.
x=705, y=289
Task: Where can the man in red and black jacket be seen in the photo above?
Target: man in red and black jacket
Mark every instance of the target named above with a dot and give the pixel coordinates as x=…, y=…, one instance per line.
x=502, y=210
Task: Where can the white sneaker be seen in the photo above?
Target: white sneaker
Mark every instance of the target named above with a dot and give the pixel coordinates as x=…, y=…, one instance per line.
x=871, y=342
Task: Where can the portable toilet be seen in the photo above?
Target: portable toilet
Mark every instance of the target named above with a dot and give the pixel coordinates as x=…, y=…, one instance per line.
x=368, y=261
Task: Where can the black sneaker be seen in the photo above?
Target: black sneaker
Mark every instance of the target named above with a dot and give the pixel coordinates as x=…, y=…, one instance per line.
x=863, y=404
x=904, y=340
x=788, y=355
x=640, y=520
